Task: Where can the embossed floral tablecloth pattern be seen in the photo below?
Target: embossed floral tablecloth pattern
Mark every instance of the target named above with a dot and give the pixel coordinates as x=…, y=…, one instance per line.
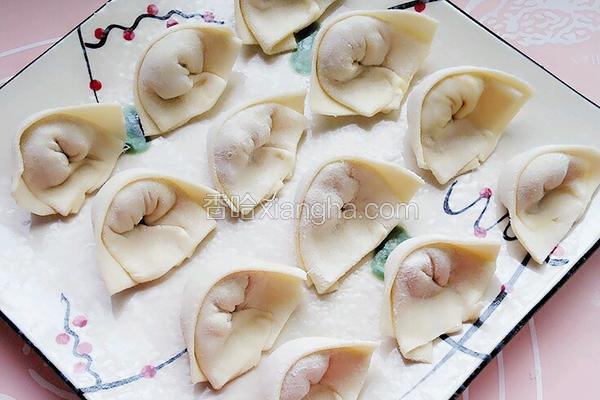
x=552, y=357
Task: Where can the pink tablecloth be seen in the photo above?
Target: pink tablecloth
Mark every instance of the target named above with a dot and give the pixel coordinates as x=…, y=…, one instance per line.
x=553, y=357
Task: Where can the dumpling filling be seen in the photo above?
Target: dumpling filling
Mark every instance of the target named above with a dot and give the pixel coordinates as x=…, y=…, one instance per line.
x=457, y=115
x=65, y=154
x=53, y=150
x=349, y=207
x=351, y=65
x=434, y=285
x=303, y=380
x=234, y=311
x=182, y=74
x=152, y=226
x=546, y=191
x=364, y=61
x=230, y=333
x=254, y=153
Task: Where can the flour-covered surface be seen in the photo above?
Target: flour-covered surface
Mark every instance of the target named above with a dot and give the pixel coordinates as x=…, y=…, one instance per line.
x=132, y=344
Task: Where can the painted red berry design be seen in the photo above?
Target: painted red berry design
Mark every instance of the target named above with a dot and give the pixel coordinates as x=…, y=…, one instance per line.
x=80, y=321
x=98, y=33
x=62, y=338
x=486, y=193
x=480, y=232
x=505, y=288
x=79, y=367
x=152, y=9
x=171, y=22
x=148, y=371
x=128, y=35
x=420, y=6
x=209, y=16
x=84, y=348
x=95, y=85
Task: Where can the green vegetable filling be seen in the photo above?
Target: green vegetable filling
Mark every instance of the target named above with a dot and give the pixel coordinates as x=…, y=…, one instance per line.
x=135, y=141
x=301, y=58
x=382, y=252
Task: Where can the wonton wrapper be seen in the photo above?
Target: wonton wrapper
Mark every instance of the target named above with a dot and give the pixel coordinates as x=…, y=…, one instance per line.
x=457, y=115
x=175, y=216
x=363, y=61
x=252, y=151
x=272, y=23
x=416, y=308
x=232, y=312
x=334, y=235
x=182, y=74
x=546, y=191
x=64, y=153
x=316, y=368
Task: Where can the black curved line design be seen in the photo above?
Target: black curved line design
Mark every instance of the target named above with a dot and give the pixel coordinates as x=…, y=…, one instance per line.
x=99, y=384
x=459, y=345
x=505, y=234
x=139, y=19
x=449, y=210
x=477, y=224
x=130, y=379
x=87, y=62
x=76, y=340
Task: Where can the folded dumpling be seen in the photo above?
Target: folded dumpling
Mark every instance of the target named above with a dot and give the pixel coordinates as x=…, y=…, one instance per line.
x=346, y=208
x=146, y=223
x=234, y=310
x=546, y=191
x=252, y=150
x=457, y=115
x=316, y=368
x=63, y=154
x=432, y=285
x=182, y=74
x=363, y=61
x=272, y=23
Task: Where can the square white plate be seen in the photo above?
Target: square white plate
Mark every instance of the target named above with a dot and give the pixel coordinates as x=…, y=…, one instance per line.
x=132, y=347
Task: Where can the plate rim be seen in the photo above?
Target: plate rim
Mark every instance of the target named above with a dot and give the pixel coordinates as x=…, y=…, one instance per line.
x=505, y=340
x=523, y=321
x=574, y=268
